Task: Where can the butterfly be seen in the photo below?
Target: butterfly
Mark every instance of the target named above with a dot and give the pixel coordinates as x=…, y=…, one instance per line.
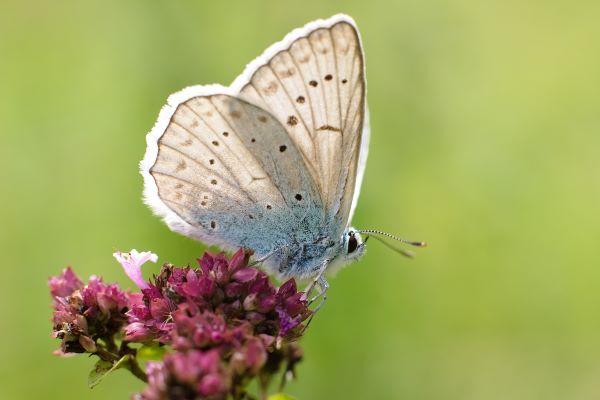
x=274, y=162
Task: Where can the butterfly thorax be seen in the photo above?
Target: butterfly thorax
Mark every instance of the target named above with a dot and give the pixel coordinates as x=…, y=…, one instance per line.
x=302, y=259
x=305, y=259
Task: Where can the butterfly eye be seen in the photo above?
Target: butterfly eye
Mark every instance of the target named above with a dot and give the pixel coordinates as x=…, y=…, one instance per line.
x=352, y=244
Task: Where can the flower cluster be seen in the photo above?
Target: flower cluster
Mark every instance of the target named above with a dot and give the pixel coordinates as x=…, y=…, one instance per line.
x=226, y=314
x=230, y=289
x=84, y=314
x=222, y=323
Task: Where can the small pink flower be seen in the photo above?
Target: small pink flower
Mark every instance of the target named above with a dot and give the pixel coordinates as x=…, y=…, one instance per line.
x=64, y=284
x=132, y=264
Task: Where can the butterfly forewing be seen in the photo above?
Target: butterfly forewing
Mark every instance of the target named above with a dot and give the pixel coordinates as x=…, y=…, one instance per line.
x=315, y=87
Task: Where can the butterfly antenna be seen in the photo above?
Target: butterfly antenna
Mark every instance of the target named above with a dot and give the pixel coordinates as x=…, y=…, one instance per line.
x=398, y=250
x=373, y=233
x=389, y=235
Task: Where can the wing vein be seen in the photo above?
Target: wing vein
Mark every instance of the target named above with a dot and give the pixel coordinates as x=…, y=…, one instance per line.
x=200, y=165
x=310, y=166
x=355, y=84
x=228, y=148
x=357, y=113
x=312, y=114
x=288, y=96
x=178, y=204
x=293, y=106
x=257, y=161
x=237, y=183
x=313, y=132
x=217, y=134
x=180, y=179
x=337, y=79
x=322, y=86
x=320, y=80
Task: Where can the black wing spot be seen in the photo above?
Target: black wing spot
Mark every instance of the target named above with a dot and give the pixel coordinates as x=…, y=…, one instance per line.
x=328, y=128
x=344, y=80
x=298, y=196
x=253, y=140
x=202, y=203
x=328, y=77
x=282, y=148
x=213, y=181
x=214, y=142
x=225, y=134
x=292, y=120
x=313, y=83
x=269, y=207
x=211, y=161
x=300, y=99
x=213, y=224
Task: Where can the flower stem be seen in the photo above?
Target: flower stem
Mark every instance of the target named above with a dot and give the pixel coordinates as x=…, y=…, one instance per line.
x=136, y=370
x=110, y=344
x=263, y=385
x=132, y=364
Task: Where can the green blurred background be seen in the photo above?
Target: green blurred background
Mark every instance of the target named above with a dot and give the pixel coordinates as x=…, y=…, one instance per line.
x=486, y=143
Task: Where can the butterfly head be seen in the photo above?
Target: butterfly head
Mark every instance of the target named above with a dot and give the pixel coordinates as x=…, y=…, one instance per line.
x=353, y=244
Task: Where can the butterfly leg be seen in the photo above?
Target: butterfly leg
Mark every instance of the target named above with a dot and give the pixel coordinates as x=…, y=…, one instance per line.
x=269, y=255
x=323, y=286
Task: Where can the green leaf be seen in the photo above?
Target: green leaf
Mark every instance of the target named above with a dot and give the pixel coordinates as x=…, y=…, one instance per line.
x=280, y=396
x=103, y=368
x=150, y=353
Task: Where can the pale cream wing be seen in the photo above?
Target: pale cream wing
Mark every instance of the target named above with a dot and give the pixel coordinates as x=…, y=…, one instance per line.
x=314, y=84
x=223, y=168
